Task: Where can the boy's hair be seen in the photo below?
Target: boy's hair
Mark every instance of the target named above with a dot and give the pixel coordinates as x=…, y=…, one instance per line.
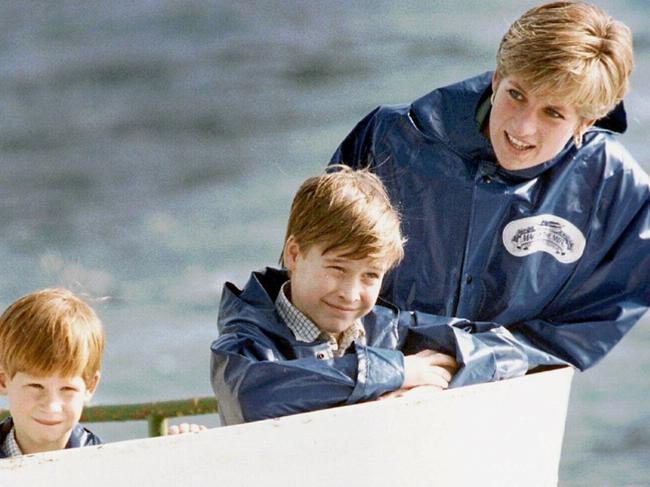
x=571, y=51
x=51, y=332
x=349, y=210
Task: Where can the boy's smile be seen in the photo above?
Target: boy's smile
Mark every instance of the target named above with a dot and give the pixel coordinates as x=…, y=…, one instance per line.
x=44, y=409
x=333, y=291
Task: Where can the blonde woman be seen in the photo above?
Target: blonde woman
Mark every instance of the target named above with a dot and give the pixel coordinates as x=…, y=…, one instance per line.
x=520, y=206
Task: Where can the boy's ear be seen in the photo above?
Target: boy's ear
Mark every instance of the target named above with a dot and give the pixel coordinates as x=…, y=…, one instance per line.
x=92, y=387
x=290, y=254
x=3, y=382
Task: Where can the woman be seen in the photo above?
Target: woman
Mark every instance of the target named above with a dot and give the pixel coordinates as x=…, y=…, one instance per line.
x=520, y=206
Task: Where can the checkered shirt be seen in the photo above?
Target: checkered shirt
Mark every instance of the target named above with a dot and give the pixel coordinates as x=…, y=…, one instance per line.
x=10, y=446
x=306, y=330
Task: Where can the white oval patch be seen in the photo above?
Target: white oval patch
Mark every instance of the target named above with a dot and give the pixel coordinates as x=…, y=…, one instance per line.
x=545, y=233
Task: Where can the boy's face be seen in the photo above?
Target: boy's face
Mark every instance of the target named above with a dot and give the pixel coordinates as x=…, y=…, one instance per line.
x=45, y=409
x=331, y=290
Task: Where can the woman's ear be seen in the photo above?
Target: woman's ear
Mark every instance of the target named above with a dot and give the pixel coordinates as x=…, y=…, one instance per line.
x=496, y=79
x=582, y=127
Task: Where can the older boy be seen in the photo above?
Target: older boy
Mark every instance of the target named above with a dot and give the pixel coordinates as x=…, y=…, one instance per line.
x=313, y=336
x=51, y=345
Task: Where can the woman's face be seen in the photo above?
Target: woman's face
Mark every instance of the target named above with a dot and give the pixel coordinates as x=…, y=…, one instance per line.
x=526, y=130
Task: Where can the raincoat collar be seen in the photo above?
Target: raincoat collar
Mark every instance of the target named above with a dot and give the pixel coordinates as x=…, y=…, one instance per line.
x=255, y=302
x=79, y=436
x=449, y=115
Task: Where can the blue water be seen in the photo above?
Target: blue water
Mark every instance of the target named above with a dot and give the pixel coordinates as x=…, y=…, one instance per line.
x=149, y=152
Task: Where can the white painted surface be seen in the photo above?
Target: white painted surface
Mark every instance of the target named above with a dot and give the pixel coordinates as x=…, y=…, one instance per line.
x=502, y=434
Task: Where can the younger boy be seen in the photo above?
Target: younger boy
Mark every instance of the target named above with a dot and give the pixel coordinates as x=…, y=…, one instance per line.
x=312, y=336
x=51, y=345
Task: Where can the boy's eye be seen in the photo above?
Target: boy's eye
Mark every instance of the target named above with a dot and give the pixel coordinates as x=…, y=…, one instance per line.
x=515, y=95
x=337, y=268
x=69, y=389
x=35, y=386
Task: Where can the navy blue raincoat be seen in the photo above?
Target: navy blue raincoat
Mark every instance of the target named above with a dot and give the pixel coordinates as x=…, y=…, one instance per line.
x=259, y=369
x=558, y=253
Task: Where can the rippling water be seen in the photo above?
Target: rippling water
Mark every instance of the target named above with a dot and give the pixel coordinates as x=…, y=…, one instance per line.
x=149, y=151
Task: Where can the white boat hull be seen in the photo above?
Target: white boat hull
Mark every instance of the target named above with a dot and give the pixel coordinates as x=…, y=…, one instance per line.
x=507, y=433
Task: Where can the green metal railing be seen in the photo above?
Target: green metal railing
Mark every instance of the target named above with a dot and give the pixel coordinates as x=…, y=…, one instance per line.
x=155, y=413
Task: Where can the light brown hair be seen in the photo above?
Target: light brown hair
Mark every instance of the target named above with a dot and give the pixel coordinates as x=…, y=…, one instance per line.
x=572, y=52
x=349, y=210
x=49, y=332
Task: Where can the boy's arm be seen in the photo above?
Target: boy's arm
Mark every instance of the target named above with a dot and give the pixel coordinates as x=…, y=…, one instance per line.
x=252, y=382
x=483, y=351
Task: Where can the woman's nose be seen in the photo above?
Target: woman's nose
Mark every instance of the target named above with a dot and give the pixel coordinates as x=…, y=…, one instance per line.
x=525, y=123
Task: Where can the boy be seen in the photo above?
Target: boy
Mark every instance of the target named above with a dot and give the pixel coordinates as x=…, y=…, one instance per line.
x=51, y=346
x=312, y=337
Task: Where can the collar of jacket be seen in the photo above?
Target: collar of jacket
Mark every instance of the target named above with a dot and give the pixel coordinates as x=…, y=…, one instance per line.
x=75, y=441
x=448, y=115
x=255, y=302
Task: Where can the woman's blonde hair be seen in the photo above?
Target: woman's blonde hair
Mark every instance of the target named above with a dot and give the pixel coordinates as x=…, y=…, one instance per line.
x=349, y=210
x=51, y=332
x=572, y=52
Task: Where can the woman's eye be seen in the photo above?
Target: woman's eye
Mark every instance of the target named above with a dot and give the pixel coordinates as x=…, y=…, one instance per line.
x=515, y=95
x=554, y=113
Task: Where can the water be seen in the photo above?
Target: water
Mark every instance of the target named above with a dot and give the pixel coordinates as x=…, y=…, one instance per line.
x=149, y=152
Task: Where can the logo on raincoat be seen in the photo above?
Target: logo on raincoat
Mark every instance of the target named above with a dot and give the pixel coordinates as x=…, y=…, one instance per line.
x=544, y=233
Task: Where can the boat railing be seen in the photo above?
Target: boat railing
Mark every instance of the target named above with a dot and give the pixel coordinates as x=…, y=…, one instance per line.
x=155, y=413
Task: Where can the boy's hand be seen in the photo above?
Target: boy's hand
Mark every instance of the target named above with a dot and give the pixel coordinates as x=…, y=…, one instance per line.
x=428, y=368
x=425, y=371
x=185, y=428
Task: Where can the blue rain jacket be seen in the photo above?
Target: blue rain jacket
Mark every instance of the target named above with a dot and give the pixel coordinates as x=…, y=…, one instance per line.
x=259, y=370
x=79, y=436
x=558, y=253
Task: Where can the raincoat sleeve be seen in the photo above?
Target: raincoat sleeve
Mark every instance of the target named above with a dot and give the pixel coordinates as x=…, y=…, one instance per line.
x=483, y=351
x=253, y=382
x=603, y=300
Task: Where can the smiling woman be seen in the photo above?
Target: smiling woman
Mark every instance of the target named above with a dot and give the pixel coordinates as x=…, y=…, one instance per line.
x=520, y=205
x=526, y=130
